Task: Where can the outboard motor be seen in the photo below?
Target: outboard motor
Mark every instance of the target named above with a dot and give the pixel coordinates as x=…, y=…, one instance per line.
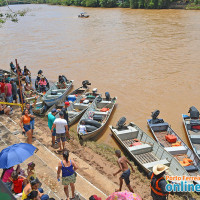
x=99, y=99
x=85, y=83
x=154, y=119
x=107, y=94
x=155, y=114
x=64, y=78
x=121, y=123
x=194, y=113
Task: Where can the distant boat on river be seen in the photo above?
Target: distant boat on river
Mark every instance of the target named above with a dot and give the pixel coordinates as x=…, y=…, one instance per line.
x=83, y=15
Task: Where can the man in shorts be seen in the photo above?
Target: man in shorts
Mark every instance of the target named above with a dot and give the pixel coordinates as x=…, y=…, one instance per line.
x=14, y=90
x=123, y=166
x=51, y=119
x=61, y=130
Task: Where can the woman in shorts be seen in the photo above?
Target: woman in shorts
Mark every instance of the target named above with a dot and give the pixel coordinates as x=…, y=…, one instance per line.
x=68, y=168
x=25, y=125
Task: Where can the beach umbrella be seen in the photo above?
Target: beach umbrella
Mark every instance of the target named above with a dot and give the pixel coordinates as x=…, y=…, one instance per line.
x=124, y=196
x=15, y=154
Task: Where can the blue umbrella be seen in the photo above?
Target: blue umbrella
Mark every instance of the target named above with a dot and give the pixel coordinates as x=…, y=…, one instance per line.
x=15, y=154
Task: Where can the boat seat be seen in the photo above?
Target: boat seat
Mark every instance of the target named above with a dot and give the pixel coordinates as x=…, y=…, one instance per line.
x=195, y=139
x=152, y=164
x=127, y=134
x=140, y=149
x=105, y=102
x=80, y=106
x=72, y=112
x=100, y=113
x=52, y=96
x=176, y=150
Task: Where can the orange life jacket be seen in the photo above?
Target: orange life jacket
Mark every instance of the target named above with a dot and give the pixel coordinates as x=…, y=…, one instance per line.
x=157, y=190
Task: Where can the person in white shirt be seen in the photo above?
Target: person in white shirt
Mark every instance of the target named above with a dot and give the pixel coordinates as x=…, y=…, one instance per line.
x=82, y=129
x=61, y=130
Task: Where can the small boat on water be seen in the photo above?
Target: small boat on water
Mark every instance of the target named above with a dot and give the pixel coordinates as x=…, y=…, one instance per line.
x=168, y=139
x=96, y=116
x=144, y=150
x=192, y=127
x=55, y=95
x=83, y=15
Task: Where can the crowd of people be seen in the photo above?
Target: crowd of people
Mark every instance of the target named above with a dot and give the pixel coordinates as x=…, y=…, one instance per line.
x=28, y=183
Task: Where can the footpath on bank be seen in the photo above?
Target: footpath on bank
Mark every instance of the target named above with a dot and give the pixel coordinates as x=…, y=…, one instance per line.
x=46, y=165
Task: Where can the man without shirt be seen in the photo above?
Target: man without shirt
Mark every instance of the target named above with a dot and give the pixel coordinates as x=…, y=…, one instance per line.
x=61, y=130
x=123, y=165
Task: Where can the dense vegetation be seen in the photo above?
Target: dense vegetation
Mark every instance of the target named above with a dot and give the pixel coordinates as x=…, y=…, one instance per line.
x=148, y=4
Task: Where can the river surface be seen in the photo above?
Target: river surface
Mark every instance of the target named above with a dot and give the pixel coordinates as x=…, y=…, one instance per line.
x=149, y=59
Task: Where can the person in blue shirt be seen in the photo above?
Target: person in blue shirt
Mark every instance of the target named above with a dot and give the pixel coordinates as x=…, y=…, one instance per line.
x=51, y=119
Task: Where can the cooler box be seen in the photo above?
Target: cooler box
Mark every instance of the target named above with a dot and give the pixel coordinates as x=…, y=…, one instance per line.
x=71, y=98
x=86, y=101
x=83, y=99
x=171, y=138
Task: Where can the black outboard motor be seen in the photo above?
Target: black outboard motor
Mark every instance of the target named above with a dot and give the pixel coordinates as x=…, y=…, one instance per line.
x=107, y=94
x=121, y=123
x=194, y=113
x=85, y=83
x=154, y=119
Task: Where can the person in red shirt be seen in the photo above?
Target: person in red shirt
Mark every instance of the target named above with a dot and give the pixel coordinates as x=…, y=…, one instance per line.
x=18, y=182
x=2, y=89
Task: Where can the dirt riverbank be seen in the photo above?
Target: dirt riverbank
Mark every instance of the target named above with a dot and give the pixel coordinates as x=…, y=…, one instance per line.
x=99, y=156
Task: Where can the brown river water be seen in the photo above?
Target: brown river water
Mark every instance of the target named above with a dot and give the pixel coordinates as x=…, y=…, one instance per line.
x=149, y=59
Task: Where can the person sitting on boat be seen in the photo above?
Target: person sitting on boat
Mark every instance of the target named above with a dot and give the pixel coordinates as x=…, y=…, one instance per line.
x=26, y=71
x=13, y=68
x=158, y=183
x=38, y=79
x=42, y=84
x=82, y=129
x=61, y=83
x=28, y=90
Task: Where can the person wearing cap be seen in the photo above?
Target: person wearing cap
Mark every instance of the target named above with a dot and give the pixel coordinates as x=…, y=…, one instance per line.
x=6, y=76
x=64, y=110
x=158, y=182
x=14, y=90
x=51, y=119
x=61, y=130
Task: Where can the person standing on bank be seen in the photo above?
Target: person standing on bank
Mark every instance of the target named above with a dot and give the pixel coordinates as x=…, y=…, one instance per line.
x=30, y=107
x=25, y=125
x=14, y=90
x=8, y=92
x=64, y=110
x=51, y=119
x=158, y=183
x=61, y=130
x=123, y=167
x=68, y=167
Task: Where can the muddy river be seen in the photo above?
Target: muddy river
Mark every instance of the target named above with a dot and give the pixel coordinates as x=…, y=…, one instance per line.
x=149, y=59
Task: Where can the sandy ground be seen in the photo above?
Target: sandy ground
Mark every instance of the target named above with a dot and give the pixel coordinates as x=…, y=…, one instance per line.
x=99, y=156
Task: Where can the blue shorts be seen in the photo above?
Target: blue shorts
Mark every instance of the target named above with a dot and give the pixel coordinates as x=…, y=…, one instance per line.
x=125, y=175
x=32, y=122
x=27, y=127
x=54, y=133
x=9, y=99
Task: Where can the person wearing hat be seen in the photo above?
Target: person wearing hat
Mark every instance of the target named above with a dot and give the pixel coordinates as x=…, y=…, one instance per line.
x=158, y=182
x=14, y=90
x=51, y=119
x=64, y=110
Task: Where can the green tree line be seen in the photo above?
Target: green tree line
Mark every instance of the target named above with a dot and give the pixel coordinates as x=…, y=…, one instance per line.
x=146, y=4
